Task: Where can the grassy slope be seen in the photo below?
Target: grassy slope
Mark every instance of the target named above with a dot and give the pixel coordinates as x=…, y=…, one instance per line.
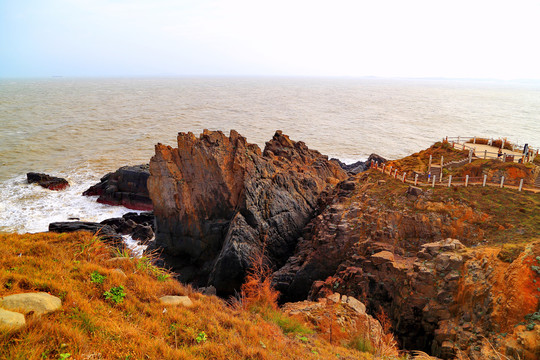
x=92, y=327
x=503, y=215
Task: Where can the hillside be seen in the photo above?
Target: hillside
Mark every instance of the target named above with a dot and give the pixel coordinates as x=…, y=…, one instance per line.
x=79, y=269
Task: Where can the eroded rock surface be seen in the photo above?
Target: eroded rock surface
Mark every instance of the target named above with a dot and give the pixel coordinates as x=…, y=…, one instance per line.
x=219, y=201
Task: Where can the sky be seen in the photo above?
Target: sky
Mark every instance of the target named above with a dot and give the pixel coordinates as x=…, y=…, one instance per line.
x=388, y=38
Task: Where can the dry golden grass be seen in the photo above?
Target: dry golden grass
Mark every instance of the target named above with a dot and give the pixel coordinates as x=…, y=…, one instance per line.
x=419, y=161
x=92, y=327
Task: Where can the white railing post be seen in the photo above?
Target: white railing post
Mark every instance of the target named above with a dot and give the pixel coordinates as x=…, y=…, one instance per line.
x=440, y=176
x=466, y=180
x=433, y=183
x=474, y=140
x=429, y=166
x=470, y=155
x=520, y=184
x=383, y=166
x=395, y=174
x=415, y=179
x=485, y=154
x=504, y=157
x=502, y=181
x=503, y=141
x=449, y=180
x=485, y=179
x=404, y=174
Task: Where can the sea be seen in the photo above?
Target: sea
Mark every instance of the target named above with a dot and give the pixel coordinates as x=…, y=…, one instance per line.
x=83, y=128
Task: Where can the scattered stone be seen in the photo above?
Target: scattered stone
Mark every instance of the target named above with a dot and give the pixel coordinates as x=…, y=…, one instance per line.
x=120, y=272
x=10, y=320
x=382, y=257
x=47, y=181
x=414, y=191
x=176, y=300
x=36, y=303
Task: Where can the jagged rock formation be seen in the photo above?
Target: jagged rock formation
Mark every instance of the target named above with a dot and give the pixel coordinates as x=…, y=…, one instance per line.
x=126, y=186
x=47, y=181
x=219, y=201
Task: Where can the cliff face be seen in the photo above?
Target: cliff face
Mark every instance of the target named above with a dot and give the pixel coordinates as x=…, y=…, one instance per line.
x=412, y=256
x=219, y=201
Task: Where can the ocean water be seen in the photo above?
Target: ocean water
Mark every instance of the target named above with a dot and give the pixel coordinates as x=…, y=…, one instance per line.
x=81, y=129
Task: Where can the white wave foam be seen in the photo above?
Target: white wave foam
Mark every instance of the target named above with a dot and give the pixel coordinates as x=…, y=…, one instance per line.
x=30, y=208
x=136, y=248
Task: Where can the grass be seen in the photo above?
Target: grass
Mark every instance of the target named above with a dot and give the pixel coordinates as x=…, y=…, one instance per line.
x=91, y=327
x=471, y=214
x=419, y=161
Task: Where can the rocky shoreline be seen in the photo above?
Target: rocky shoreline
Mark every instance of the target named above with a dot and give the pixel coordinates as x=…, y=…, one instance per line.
x=219, y=203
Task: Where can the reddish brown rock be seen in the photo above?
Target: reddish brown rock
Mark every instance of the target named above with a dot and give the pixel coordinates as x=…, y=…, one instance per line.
x=126, y=187
x=47, y=181
x=218, y=199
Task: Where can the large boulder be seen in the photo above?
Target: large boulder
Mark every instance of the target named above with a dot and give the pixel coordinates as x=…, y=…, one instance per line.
x=10, y=320
x=47, y=181
x=126, y=187
x=219, y=202
x=31, y=303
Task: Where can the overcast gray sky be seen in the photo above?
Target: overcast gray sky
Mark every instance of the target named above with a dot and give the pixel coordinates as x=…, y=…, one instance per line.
x=393, y=38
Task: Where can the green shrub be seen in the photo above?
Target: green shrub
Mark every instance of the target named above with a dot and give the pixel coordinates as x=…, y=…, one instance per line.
x=116, y=294
x=97, y=278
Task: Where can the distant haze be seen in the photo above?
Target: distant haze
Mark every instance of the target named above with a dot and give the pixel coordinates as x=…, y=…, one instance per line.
x=392, y=38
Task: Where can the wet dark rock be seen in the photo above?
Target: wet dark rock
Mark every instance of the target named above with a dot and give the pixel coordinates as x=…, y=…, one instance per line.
x=105, y=232
x=142, y=233
x=47, y=181
x=127, y=187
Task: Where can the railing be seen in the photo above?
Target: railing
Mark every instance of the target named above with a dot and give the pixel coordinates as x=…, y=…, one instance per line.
x=460, y=142
x=427, y=180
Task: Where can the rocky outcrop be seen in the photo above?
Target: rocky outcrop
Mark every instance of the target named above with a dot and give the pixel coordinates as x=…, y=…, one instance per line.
x=346, y=316
x=127, y=187
x=220, y=201
x=360, y=166
x=398, y=250
x=47, y=181
x=139, y=226
x=105, y=232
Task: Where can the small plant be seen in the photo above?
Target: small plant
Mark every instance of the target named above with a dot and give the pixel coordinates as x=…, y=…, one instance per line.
x=64, y=356
x=201, y=337
x=97, y=278
x=116, y=294
x=163, y=277
x=361, y=344
x=302, y=338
